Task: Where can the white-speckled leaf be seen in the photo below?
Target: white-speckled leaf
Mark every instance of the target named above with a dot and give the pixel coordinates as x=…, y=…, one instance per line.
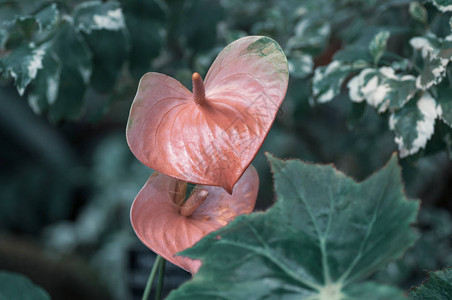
x=418, y=12
x=328, y=80
x=378, y=45
x=382, y=88
x=98, y=15
x=436, y=53
x=45, y=86
x=23, y=64
x=445, y=105
x=413, y=124
x=300, y=64
x=309, y=34
x=47, y=17
x=443, y=5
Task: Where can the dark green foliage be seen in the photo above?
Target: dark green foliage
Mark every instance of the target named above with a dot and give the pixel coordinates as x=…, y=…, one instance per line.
x=323, y=236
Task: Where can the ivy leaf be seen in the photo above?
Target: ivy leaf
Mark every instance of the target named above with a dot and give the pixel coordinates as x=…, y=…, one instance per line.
x=438, y=286
x=382, y=88
x=18, y=287
x=378, y=45
x=443, y=5
x=414, y=123
x=22, y=64
x=445, y=105
x=322, y=237
x=98, y=15
x=103, y=25
x=418, y=12
x=327, y=80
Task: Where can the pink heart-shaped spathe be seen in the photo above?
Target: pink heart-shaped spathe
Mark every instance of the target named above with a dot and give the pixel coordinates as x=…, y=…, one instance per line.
x=158, y=223
x=212, y=142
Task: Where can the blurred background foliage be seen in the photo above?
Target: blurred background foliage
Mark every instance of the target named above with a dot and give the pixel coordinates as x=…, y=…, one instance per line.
x=69, y=70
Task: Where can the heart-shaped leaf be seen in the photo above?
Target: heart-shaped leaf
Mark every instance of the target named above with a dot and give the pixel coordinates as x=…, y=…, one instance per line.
x=213, y=139
x=160, y=223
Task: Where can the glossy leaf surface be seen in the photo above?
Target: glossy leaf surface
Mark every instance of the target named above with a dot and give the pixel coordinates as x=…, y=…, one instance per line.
x=324, y=235
x=157, y=220
x=214, y=142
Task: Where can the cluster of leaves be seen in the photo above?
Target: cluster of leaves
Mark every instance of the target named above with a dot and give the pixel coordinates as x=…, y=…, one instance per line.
x=402, y=72
x=58, y=51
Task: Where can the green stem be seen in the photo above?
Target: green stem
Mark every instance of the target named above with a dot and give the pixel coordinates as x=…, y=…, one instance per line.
x=148, y=288
x=158, y=292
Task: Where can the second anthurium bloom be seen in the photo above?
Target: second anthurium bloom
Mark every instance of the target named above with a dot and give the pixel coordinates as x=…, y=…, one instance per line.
x=207, y=137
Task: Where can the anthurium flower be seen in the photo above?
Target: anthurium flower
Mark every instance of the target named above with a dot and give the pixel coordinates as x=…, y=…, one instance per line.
x=210, y=136
x=167, y=225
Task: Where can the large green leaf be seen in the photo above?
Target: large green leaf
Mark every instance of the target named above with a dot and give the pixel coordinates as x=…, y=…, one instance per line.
x=18, y=287
x=437, y=287
x=322, y=237
x=414, y=124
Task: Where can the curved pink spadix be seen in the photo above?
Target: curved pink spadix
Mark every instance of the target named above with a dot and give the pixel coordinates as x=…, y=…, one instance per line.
x=162, y=226
x=210, y=136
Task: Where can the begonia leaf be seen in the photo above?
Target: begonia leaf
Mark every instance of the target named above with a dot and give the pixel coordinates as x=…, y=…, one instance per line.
x=212, y=142
x=158, y=222
x=324, y=235
x=438, y=286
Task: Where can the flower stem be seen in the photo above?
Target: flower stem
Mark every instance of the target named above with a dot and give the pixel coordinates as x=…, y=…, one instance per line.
x=148, y=288
x=158, y=292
